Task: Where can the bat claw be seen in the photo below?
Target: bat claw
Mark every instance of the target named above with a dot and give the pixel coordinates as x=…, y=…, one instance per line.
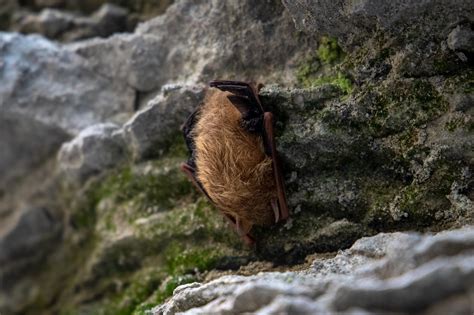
x=276, y=210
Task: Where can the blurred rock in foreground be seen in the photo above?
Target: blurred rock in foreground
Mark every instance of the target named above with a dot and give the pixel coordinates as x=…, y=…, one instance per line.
x=386, y=273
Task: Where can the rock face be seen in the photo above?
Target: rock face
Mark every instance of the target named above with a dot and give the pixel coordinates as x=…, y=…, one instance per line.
x=386, y=273
x=24, y=244
x=48, y=94
x=41, y=81
x=374, y=130
x=353, y=22
x=95, y=149
x=151, y=128
x=29, y=144
x=211, y=39
x=55, y=24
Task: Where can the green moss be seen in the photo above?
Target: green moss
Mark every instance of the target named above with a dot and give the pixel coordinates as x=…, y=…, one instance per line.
x=169, y=285
x=401, y=106
x=317, y=69
x=308, y=80
x=329, y=51
x=180, y=260
x=307, y=70
x=454, y=123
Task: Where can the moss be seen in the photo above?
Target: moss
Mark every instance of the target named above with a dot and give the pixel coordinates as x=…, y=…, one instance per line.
x=402, y=105
x=169, y=285
x=307, y=70
x=329, y=51
x=454, y=123
x=340, y=81
x=180, y=260
x=317, y=69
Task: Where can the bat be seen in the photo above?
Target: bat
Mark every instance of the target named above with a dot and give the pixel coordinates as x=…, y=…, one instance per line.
x=233, y=158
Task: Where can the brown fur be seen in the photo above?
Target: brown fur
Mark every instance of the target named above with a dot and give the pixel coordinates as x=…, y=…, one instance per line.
x=231, y=163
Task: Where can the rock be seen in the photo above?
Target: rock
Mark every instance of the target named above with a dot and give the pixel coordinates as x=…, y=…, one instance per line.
x=353, y=22
x=224, y=46
x=56, y=24
x=134, y=59
x=25, y=241
x=461, y=38
x=48, y=94
x=395, y=165
x=110, y=19
x=7, y=8
x=29, y=144
x=152, y=128
x=40, y=80
x=93, y=150
x=365, y=279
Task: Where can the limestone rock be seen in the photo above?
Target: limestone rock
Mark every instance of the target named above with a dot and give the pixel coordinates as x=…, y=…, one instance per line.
x=209, y=40
x=352, y=22
x=40, y=80
x=25, y=241
x=92, y=151
x=365, y=279
x=26, y=143
x=65, y=26
x=148, y=132
x=461, y=38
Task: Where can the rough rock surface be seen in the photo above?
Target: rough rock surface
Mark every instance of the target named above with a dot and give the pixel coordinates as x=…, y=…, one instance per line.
x=386, y=273
x=25, y=242
x=56, y=24
x=29, y=144
x=374, y=129
x=148, y=132
x=41, y=81
x=94, y=150
x=355, y=21
x=48, y=94
x=210, y=39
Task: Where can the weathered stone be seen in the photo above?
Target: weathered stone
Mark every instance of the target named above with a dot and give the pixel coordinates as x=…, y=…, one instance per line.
x=352, y=22
x=95, y=149
x=40, y=80
x=7, y=7
x=151, y=129
x=26, y=143
x=461, y=38
x=365, y=279
x=224, y=46
x=24, y=242
x=136, y=60
x=56, y=24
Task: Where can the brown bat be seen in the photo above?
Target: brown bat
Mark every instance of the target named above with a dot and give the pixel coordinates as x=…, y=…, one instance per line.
x=233, y=158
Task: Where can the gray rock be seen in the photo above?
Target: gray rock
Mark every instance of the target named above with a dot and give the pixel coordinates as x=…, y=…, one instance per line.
x=152, y=128
x=54, y=86
x=209, y=40
x=65, y=26
x=7, y=8
x=461, y=38
x=93, y=150
x=25, y=241
x=353, y=21
x=438, y=269
x=26, y=143
x=134, y=59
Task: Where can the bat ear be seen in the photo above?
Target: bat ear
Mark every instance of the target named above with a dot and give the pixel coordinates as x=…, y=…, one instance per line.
x=241, y=103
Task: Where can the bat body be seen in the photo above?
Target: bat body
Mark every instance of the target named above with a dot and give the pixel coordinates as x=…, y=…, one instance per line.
x=233, y=156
